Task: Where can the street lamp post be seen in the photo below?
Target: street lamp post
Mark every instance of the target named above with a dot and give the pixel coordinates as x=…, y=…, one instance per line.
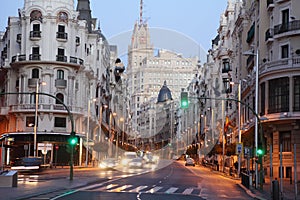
x=87, y=131
x=256, y=110
x=122, y=130
x=36, y=116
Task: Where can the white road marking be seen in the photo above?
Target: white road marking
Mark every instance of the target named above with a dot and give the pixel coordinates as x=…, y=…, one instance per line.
x=188, y=191
x=155, y=189
x=119, y=189
x=171, y=190
x=138, y=188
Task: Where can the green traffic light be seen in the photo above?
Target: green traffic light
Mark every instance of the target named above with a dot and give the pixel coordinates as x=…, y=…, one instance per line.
x=73, y=141
x=260, y=152
x=184, y=103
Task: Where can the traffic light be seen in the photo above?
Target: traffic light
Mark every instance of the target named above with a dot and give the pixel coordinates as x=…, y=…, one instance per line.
x=260, y=152
x=184, y=102
x=73, y=140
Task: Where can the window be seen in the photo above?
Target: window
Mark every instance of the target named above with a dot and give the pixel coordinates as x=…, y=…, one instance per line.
x=30, y=121
x=279, y=95
x=285, y=51
x=61, y=29
x=35, y=73
x=226, y=66
x=296, y=106
x=285, y=16
x=61, y=55
x=60, y=97
x=35, y=53
x=60, y=122
x=61, y=52
x=285, y=139
x=36, y=28
x=60, y=74
x=35, y=33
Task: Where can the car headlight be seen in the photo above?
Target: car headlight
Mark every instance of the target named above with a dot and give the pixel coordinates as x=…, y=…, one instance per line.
x=124, y=161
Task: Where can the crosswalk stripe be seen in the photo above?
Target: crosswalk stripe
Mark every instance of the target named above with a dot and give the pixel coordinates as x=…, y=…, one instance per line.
x=108, y=187
x=188, y=191
x=119, y=189
x=138, y=188
x=155, y=189
x=171, y=190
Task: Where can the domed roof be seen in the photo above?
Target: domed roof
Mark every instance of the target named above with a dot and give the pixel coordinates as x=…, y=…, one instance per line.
x=164, y=94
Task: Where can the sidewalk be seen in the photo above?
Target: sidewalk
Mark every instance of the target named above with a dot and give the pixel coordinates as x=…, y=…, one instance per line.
x=266, y=193
x=288, y=192
x=31, y=188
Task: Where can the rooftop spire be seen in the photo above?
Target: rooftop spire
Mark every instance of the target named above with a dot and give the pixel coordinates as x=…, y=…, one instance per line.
x=83, y=6
x=141, y=12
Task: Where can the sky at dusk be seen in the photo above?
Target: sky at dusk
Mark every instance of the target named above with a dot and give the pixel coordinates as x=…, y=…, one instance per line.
x=197, y=20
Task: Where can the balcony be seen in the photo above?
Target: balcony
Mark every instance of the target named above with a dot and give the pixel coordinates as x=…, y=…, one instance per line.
x=58, y=108
x=32, y=82
x=270, y=5
x=76, y=60
x=60, y=83
x=35, y=35
x=287, y=29
x=35, y=57
x=62, y=36
x=18, y=58
x=19, y=38
x=269, y=35
x=280, y=65
x=61, y=58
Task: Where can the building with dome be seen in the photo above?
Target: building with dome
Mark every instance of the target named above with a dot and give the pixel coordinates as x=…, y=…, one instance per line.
x=156, y=118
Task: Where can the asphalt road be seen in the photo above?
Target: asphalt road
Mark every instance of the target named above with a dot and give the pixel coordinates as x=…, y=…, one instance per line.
x=172, y=182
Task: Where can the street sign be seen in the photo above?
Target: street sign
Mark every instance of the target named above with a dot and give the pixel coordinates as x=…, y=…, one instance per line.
x=45, y=146
x=239, y=148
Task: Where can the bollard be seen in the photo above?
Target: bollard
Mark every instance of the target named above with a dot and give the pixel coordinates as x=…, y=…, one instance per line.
x=275, y=189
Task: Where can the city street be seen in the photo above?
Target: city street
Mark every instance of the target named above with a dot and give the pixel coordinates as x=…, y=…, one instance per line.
x=175, y=181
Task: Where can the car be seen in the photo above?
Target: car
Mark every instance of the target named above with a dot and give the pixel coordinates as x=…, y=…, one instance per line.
x=190, y=162
x=136, y=163
x=108, y=163
x=27, y=164
x=150, y=158
x=175, y=157
x=128, y=156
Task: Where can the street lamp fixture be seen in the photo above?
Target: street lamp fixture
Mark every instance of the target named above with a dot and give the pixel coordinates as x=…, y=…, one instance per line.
x=38, y=83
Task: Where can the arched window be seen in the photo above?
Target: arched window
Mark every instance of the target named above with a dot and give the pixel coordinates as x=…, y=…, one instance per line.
x=60, y=74
x=35, y=73
x=60, y=96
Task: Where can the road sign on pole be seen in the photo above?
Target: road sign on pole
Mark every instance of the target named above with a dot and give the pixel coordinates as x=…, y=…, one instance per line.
x=239, y=148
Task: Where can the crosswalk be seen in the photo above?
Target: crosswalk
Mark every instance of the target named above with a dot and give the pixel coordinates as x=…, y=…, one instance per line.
x=148, y=189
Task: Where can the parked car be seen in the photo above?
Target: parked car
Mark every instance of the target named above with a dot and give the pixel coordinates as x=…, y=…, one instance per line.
x=190, y=162
x=27, y=163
